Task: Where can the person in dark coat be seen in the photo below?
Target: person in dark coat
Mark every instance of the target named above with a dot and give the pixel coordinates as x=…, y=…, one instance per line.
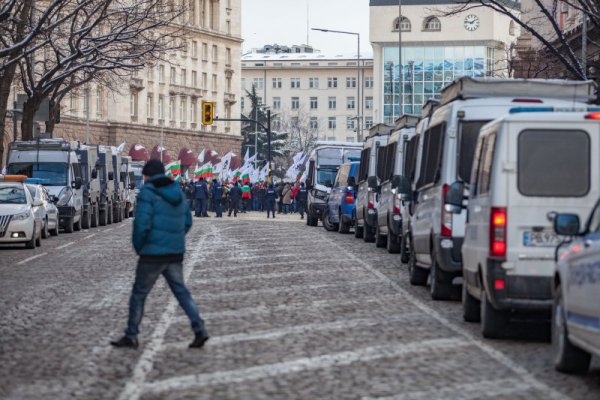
x=301, y=199
x=217, y=195
x=235, y=195
x=262, y=190
x=270, y=199
x=201, y=196
x=189, y=193
x=162, y=219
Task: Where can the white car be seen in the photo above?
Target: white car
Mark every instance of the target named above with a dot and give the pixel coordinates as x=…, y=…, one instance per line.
x=48, y=210
x=576, y=311
x=19, y=223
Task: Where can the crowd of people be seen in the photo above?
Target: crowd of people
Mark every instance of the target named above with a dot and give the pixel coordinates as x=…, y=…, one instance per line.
x=283, y=198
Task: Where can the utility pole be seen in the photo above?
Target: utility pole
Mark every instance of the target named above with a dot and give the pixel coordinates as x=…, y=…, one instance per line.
x=87, y=116
x=584, y=33
x=270, y=177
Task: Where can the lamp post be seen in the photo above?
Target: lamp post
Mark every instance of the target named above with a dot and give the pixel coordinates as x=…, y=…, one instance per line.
x=358, y=103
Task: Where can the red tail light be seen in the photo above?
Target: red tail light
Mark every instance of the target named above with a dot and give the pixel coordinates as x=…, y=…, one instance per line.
x=498, y=232
x=446, y=216
x=396, y=208
x=349, y=199
x=371, y=203
x=499, y=284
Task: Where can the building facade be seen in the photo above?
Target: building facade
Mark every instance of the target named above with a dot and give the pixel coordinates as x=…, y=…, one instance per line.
x=329, y=94
x=433, y=49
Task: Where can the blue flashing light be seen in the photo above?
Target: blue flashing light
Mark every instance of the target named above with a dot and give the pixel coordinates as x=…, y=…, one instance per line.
x=34, y=181
x=517, y=110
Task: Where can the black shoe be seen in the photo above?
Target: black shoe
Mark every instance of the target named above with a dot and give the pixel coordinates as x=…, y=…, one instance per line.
x=126, y=342
x=199, y=341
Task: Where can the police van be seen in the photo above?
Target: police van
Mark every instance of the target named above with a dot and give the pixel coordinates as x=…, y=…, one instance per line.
x=527, y=166
x=448, y=149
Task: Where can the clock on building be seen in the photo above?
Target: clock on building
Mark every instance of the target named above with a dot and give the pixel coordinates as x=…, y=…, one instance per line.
x=471, y=22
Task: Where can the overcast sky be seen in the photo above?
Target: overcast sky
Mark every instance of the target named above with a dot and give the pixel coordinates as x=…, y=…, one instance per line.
x=285, y=22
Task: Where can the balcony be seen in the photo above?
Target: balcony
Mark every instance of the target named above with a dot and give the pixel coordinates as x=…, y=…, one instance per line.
x=185, y=91
x=229, y=98
x=136, y=84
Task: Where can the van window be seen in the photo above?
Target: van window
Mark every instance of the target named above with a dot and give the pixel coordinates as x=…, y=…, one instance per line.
x=468, y=134
x=311, y=172
x=390, y=160
x=553, y=163
x=593, y=225
x=433, y=145
x=76, y=170
x=363, y=173
x=381, y=151
x=476, y=166
x=410, y=158
x=485, y=164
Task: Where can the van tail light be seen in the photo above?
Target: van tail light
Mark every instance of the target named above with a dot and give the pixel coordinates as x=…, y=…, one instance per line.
x=498, y=232
x=349, y=198
x=446, y=216
x=371, y=201
x=396, y=208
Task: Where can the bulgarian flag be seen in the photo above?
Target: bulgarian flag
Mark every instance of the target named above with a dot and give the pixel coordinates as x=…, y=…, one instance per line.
x=299, y=176
x=173, y=169
x=236, y=175
x=246, y=192
x=245, y=177
x=204, y=171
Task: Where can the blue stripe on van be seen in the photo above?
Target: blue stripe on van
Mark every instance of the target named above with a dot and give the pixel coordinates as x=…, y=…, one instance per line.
x=583, y=320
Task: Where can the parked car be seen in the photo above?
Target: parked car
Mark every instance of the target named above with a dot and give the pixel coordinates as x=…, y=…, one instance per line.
x=48, y=210
x=528, y=165
x=20, y=215
x=448, y=154
x=576, y=294
x=339, y=214
x=88, y=156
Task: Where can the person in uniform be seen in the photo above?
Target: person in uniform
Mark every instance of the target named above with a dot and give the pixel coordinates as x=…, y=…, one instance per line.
x=301, y=199
x=235, y=194
x=217, y=195
x=270, y=199
x=201, y=196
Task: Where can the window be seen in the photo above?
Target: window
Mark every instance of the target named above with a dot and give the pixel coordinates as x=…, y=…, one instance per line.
x=390, y=161
x=172, y=76
x=332, y=83
x=214, y=83
x=350, y=82
x=193, y=111
x=313, y=83
x=151, y=74
x=242, y=102
x=161, y=106
x=350, y=103
x=183, y=77
x=350, y=139
x=313, y=123
x=369, y=102
x=204, y=52
x=380, y=165
x=432, y=24
x=404, y=24
x=276, y=103
x=350, y=122
x=133, y=104
x=99, y=101
x=215, y=54
x=468, y=134
x=182, y=109
x=194, y=48
x=485, y=164
x=149, y=106
x=259, y=83
x=511, y=29
x=228, y=56
x=161, y=74
x=553, y=163
x=369, y=82
x=368, y=122
x=295, y=83
x=276, y=83
x=204, y=80
x=243, y=83
x=410, y=158
x=194, y=79
x=363, y=171
x=433, y=144
x=332, y=124
x=314, y=103
x=228, y=27
x=295, y=103
x=332, y=103
x=171, y=108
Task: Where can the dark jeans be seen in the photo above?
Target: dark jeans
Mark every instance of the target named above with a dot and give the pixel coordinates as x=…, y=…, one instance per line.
x=201, y=206
x=218, y=209
x=301, y=206
x=146, y=275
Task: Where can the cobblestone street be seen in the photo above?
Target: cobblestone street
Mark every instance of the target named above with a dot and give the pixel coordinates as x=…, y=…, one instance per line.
x=293, y=312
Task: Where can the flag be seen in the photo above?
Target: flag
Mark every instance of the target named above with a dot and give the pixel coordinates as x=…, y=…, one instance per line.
x=245, y=177
x=235, y=175
x=121, y=147
x=205, y=171
x=173, y=169
x=247, y=155
x=201, y=156
x=264, y=172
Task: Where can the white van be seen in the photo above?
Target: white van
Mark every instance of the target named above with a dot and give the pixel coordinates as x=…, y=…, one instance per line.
x=367, y=196
x=389, y=168
x=55, y=163
x=527, y=167
x=448, y=147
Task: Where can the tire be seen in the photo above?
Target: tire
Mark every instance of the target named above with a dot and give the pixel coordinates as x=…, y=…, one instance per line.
x=417, y=275
x=102, y=217
x=343, y=227
x=31, y=244
x=567, y=357
x=109, y=215
x=77, y=225
x=368, y=235
x=69, y=226
x=404, y=250
x=328, y=225
x=95, y=222
x=470, y=305
x=45, y=231
x=38, y=240
x=380, y=240
x=392, y=245
x=54, y=232
x=86, y=218
x=358, y=231
x=311, y=221
x=439, y=288
x=493, y=322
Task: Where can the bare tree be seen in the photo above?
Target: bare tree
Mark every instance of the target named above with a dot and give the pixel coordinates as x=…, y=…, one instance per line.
x=303, y=130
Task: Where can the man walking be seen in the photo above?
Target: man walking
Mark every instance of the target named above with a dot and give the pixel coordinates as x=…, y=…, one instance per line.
x=235, y=194
x=201, y=194
x=162, y=219
x=301, y=199
x=217, y=195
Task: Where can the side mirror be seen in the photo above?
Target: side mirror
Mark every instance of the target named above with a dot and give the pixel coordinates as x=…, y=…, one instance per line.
x=132, y=185
x=76, y=184
x=404, y=188
x=94, y=173
x=372, y=182
x=454, y=198
x=395, y=181
x=37, y=203
x=351, y=181
x=567, y=224
x=328, y=183
x=54, y=199
x=111, y=176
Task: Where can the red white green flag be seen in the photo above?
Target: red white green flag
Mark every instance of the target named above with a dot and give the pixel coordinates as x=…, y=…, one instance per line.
x=236, y=175
x=173, y=169
x=204, y=171
x=245, y=177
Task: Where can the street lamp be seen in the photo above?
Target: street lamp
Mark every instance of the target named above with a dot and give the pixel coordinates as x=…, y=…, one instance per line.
x=358, y=103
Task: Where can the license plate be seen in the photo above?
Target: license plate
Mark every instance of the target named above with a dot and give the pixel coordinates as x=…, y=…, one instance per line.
x=542, y=238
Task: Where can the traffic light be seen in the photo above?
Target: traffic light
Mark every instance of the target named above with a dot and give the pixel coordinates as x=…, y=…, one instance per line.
x=207, y=112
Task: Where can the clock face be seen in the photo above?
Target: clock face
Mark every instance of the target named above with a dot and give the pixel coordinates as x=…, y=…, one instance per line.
x=471, y=22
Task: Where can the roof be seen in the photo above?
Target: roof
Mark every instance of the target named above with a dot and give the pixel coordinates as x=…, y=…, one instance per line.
x=375, y=3
x=304, y=57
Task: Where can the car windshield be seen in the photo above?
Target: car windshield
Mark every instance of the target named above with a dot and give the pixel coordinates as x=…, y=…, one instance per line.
x=31, y=189
x=326, y=176
x=329, y=156
x=351, y=155
x=12, y=195
x=51, y=174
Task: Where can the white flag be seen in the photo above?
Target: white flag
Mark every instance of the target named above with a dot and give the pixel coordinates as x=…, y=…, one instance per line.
x=201, y=156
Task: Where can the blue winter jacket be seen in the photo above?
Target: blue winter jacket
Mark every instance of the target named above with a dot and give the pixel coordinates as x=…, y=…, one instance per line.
x=162, y=218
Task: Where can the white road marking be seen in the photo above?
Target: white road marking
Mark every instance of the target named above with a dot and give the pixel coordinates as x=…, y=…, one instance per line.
x=466, y=391
x=288, y=274
x=108, y=230
x=65, y=245
x=489, y=350
x=133, y=388
x=31, y=258
x=303, y=364
x=306, y=328
x=89, y=236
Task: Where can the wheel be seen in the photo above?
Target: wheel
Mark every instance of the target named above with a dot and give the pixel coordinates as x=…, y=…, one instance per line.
x=358, y=231
x=470, y=305
x=380, y=239
x=86, y=218
x=38, y=240
x=493, y=322
x=368, y=235
x=102, y=220
x=126, y=211
x=31, y=244
x=404, y=249
x=441, y=287
x=54, y=232
x=45, y=231
x=95, y=221
x=69, y=226
x=567, y=357
x=328, y=225
x=417, y=275
x=311, y=221
x=392, y=245
x=77, y=225
x=109, y=215
x=343, y=227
